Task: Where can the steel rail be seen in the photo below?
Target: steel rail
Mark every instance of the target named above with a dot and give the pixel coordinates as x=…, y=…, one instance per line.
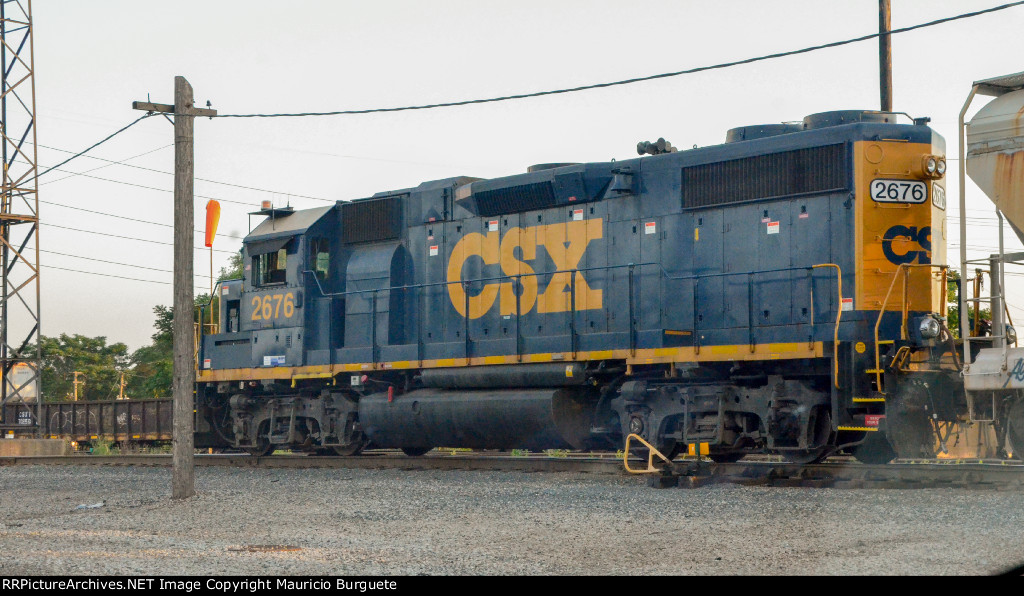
x=972, y=474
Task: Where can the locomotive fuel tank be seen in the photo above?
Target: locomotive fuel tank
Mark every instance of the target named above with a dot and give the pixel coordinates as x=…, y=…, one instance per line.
x=534, y=419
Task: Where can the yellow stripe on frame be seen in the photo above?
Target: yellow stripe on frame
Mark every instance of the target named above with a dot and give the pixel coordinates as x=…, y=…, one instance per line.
x=642, y=356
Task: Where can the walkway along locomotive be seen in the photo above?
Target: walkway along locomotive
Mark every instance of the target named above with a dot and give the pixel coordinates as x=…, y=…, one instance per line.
x=783, y=292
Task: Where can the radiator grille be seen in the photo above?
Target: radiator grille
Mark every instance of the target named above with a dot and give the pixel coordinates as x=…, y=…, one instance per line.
x=815, y=169
x=371, y=221
x=515, y=199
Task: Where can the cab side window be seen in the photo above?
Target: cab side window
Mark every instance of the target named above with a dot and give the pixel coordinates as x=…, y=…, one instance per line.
x=320, y=258
x=270, y=268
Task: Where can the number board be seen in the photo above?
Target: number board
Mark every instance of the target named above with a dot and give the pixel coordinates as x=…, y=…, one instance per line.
x=269, y=307
x=898, y=191
x=938, y=196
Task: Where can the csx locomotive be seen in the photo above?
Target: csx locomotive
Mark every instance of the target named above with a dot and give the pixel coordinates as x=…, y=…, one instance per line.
x=784, y=292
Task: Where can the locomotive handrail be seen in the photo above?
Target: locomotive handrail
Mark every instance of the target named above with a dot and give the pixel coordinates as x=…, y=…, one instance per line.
x=905, y=269
x=839, y=316
x=199, y=352
x=517, y=279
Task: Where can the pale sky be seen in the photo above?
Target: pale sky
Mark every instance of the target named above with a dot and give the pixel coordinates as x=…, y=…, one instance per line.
x=252, y=56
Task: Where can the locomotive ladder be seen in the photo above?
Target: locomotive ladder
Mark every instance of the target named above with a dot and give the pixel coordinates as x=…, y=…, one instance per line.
x=997, y=304
x=905, y=270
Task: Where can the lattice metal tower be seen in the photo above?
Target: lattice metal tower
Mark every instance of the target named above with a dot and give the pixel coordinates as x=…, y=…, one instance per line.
x=20, y=352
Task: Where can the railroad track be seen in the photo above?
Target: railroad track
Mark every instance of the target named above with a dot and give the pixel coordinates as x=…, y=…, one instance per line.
x=834, y=473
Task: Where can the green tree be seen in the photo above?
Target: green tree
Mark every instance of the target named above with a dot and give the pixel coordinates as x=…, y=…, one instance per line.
x=153, y=365
x=100, y=366
x=233, y=269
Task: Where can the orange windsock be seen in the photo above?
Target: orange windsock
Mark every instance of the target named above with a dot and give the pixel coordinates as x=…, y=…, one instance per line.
x=212, y=219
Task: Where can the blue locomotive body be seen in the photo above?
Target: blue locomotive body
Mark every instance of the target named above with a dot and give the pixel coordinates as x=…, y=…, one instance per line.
x=576, y=303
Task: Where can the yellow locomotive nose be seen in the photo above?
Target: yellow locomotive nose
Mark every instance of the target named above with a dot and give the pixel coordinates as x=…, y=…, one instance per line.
x=900, y=221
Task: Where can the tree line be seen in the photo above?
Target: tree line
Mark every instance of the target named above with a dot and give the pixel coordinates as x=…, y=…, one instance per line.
x=147, y=372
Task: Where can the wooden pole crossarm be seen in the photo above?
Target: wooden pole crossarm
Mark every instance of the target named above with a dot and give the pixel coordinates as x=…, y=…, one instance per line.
x=163, y=108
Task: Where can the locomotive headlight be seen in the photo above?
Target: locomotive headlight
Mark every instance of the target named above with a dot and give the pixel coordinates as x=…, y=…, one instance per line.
x=929, y=328
x=932, y=166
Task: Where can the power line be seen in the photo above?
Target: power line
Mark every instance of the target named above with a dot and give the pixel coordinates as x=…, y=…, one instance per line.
x=122, y=162
x=166, y=283
x=151, y=281
x=230, y=252
x=145, y=221
x=157, y=188
x=127, y=165
x=93, y=146
x=64, y=254
x=635, y=79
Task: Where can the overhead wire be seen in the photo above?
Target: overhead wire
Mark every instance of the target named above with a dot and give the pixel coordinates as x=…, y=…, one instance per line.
x=91, y=147
x=137, y=167
x=152, y=281
x=125, y=217
x=112, y=163
x=160, y=189
x=635, y=79
x=52, y=225
x=64, y=254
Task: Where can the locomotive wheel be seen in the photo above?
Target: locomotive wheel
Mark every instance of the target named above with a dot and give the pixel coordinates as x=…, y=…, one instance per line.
x=1015, y=429
x=819, y=431
x=810, y=456
x=415, y=451
x=351, y=449
x=262, y=448
x=672, y=452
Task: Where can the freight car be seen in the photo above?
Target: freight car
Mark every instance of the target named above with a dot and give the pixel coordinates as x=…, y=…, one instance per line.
x=138, y=421
x=784, y=292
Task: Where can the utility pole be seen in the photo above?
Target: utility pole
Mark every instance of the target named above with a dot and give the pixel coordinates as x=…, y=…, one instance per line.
x=183, y=482
x=76, y=383
x=885, y=55
x=120, y=390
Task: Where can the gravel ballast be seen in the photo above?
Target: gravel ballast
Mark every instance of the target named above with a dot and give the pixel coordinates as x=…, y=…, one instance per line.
x=392, y=522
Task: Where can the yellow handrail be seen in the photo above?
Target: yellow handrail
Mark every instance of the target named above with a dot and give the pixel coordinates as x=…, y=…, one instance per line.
x=905, y=269
x=651, y=452
x=839, y=316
